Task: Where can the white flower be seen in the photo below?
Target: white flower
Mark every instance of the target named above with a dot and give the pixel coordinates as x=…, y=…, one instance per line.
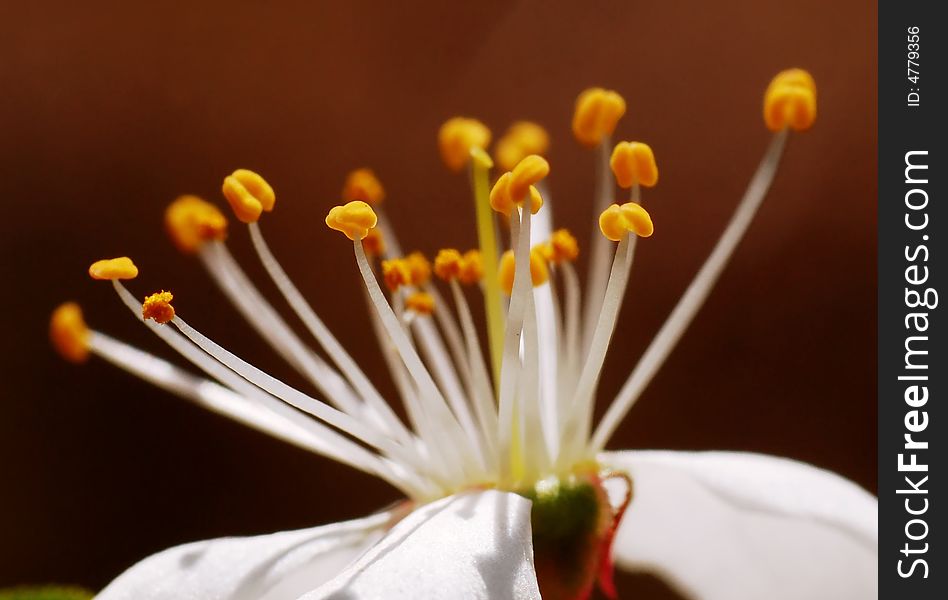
x=509, y=491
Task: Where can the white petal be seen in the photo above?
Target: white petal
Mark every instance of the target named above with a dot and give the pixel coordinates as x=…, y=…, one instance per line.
x=476, y=545
x=740, y=526
x=267, y=567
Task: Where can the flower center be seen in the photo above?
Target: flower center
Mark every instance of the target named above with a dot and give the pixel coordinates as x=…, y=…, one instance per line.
x=573, y=524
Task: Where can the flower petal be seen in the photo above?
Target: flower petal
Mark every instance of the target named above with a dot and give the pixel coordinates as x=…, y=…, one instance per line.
x=475, y=545
x=736, y=526
x=271, y=567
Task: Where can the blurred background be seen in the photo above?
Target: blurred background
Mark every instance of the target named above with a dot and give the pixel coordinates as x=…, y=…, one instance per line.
x=110, y=110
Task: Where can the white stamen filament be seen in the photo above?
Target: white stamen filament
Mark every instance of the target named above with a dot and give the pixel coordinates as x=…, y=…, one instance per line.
x=225, y=271
x=571, y=325
x=577, y=429
x=482, y=392
x=510, y=364
x=599, y=250
x=326, y=339
x=430, y=395
x=694, y=296
x=299, y=400
x=224, y=401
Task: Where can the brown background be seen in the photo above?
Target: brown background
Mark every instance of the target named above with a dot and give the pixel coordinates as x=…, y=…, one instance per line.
x=108, y=112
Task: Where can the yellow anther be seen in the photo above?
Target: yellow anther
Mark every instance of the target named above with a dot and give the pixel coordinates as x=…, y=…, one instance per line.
x=374, y=243
x=502, y=201
x=795, y=77
x=68, y=332
x=421, y=303
x=396, y=273
x=472, y=267
x=354, y=219
x=522, y=139
x=528, y=172
x=562, y=247
x=248, y=194
x=596, y=114
x=113, y=268
x=633, y=163
x=419, y=268
x=447, y=264
x=790, y=101
x=191, y=221
x=158, y=307
x=458, y=137
x=616, y=221
x=362, y=184
x=539, y=274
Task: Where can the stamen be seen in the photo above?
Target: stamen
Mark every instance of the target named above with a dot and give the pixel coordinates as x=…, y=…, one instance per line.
x=290, y=395
x=224, y=401
x=374, y=243
x=616, y=221
x=190, y=222
x=693, y=297
x=326, y=339
x=472, y=268
x=481, y=393
x=510, y=438
x=596, y=114
x=521, y=139
x=113, y=268
x=600, y=251
x=396, y=273
x=157, y=307
x=421, y=303
x=790, y=101
x=429, y=390
x=68, y=332
x=261, y=315
x=447, y=264
x=633, y=164
x=355, y=219
x=458, y=137
x=248, y=194
x=539, y=273
x=362, y=184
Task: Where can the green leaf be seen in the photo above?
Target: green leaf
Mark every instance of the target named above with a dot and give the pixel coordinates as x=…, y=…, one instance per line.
x=46, y=592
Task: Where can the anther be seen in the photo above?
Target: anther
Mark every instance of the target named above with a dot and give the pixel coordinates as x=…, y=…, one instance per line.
x=158, y=307
x=458, y=137
x=68, y=332
x=248, y=194
x=374, y=243
x=539, y=273
x=419, y=268
x=502, y=198
x=790, y=101
x=191, y=221
x=421, y=303
x=354, y=219
x=596, y=115
x=113, y=268
x=396, y=273
x=362, y=184
x=616, y=221
x=472, y=267
x=525, y=175
x=522, y=139
x=447, y=264
x=562, y=247
x=633, y=163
